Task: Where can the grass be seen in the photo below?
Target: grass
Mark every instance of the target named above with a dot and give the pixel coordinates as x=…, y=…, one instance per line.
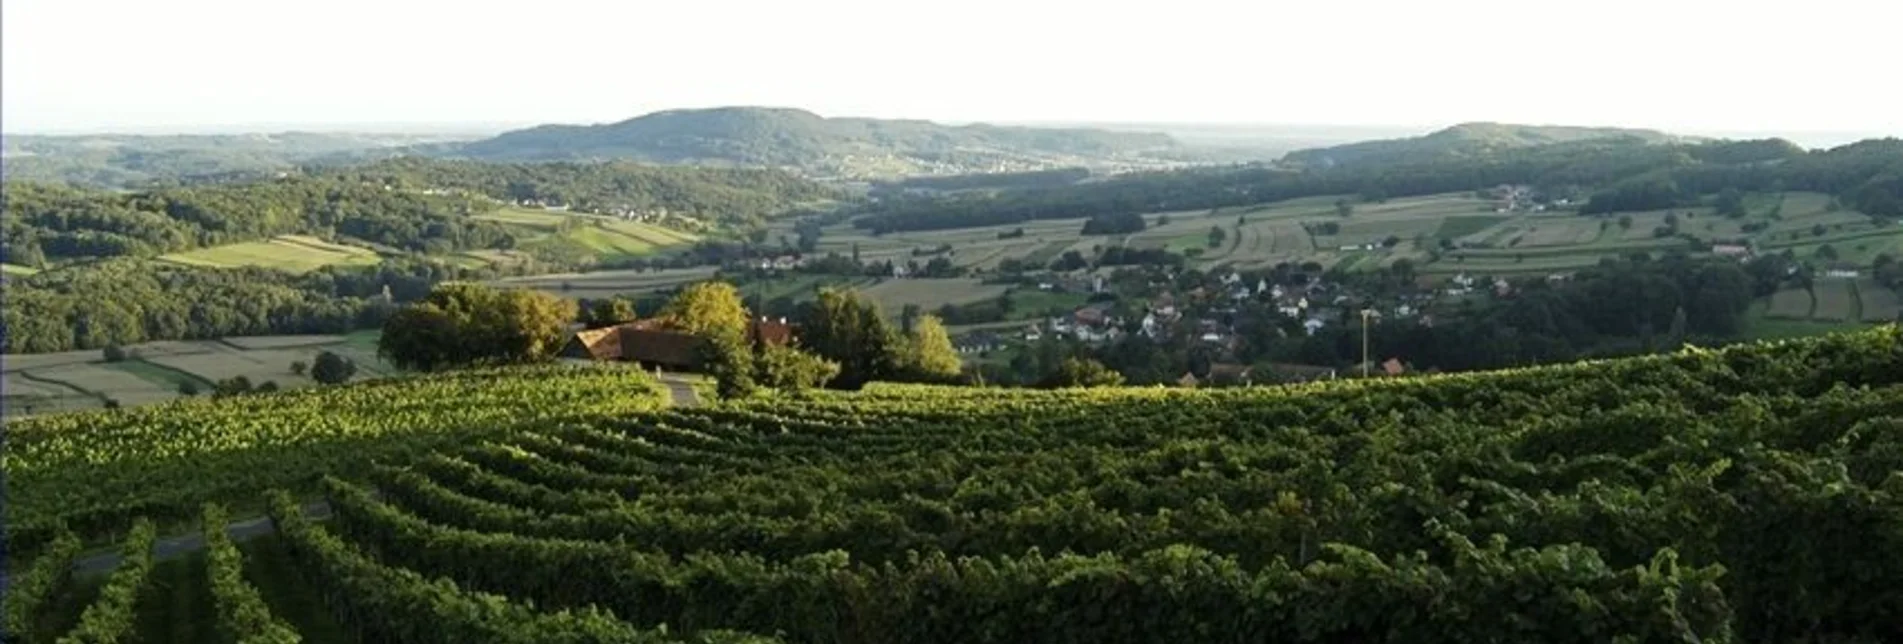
x=1836, y=301
x=161, y=375
x=1464, y=225
x=1761, y=325
x=892, y=295
x=77, y=380
x=16, y=269
x=1791, y=304
x=1879, y=304
x=290, y=253
x=269, y=568
x=1030, y=303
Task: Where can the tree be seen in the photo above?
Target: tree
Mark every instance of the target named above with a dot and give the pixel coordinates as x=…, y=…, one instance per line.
x=1216, y=236
x=706, y=308
x=1730, y=202
x=232, y=386
x=298, y=367
x=1081, y=372
x=608, y=312
x=462, y=324
x=846, y=328
x=1344, y=209
x=333, y=369
x=1827, y=252
x=929, y=355
x=1625, y=222
x=114, y=353
x=1071, y=260
x=787, y=368
x=188, y=388
x=727, y=358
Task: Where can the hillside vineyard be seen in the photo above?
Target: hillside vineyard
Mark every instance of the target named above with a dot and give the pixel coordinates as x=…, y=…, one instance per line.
x=1752, y=493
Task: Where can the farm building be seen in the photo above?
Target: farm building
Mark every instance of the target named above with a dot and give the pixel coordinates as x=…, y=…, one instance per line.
x=648, y=343
x=1288, y=372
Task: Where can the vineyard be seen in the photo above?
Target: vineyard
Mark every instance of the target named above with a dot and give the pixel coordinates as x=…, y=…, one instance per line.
x=1752, y=493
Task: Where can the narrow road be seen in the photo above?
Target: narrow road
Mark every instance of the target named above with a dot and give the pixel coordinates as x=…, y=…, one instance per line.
x=680, y=391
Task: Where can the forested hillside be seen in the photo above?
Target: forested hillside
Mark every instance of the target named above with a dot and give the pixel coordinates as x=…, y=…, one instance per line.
x=791, y=138
x=1649, y=499
x=132, y=161
x=1620, y=174
x=1465, y=140
x=714, y=195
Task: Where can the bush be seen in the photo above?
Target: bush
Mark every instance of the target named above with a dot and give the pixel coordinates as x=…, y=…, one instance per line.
x=788, y=368
x=115, y=353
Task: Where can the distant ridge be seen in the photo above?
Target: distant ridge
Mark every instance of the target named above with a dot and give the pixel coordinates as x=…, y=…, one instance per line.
x=801, y=140
x=1471, y=139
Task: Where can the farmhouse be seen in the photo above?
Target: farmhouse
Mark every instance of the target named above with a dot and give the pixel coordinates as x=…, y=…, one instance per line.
x=648, y=343
x=1731, y=250
x=1288, y=372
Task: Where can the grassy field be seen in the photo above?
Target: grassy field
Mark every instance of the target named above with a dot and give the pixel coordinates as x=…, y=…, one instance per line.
x=74, y=380
x=1879, y=304
x=1791, y=304
x=1836, y=301
x=16, y=269
x=294, y=253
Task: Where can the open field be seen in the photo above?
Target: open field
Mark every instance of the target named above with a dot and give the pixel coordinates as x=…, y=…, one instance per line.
x=72, y=380
x=16, y=269
x=294, y=253
x=1836, y=301
x=893, y=294
x=1879, y=304
x=1791, y=304
x=610, y=283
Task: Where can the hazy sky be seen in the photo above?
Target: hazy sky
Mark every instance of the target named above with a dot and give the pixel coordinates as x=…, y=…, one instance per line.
x=1815, y=65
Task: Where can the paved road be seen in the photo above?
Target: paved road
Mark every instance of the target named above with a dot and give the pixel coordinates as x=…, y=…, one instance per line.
x=679, y=388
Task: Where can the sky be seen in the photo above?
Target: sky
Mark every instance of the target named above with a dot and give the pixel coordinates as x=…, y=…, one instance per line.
x=1691, y=66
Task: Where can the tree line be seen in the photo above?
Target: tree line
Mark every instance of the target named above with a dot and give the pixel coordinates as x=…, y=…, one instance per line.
x=1867, y=176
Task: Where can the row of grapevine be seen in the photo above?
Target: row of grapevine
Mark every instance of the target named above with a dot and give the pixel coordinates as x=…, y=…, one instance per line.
x=110, y=617
x=1174, y=594
x=393, y=604
x=26, y=596
x=243, y=617
x=96, y=471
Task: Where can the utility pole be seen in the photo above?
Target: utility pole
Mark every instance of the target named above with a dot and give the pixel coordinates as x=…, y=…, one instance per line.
x=1365, y=313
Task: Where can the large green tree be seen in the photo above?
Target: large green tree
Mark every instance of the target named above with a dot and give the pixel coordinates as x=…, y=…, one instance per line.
x=929, y=355
x=608, y=312
x=706, y=308
x=845, y=327
x=462, y=324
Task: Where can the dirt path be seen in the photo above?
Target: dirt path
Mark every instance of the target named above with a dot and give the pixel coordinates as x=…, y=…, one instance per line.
x=679, y=388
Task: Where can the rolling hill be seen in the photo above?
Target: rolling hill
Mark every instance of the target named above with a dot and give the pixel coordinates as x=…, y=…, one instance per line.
x=1467, y=140
x=807, y=142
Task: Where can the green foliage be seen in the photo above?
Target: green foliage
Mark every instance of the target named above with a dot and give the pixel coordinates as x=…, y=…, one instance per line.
x=787, y=368
x=25, y=601
x=463, y=324
x=780, y=137
x=928, y=353
x=846, y=328
x=95, y=471
x=394, y=604
x=1114, y=224
x=110, y=617
x=126, y=301
x=114, y=353
x=299, y=367
x=333, y=369
x=706, y=309
x=608, y=312
x=1075, y=372
x=730, y=361
x=243, y=617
